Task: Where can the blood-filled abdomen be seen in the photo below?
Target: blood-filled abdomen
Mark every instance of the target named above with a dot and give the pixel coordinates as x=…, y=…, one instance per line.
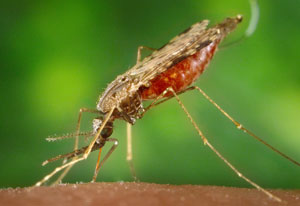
x=180, y=75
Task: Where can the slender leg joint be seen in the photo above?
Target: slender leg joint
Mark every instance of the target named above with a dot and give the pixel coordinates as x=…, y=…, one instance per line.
x=85, y=155
x=116, y=143
x=204, y=141
x=187, y=113
x=239, y=126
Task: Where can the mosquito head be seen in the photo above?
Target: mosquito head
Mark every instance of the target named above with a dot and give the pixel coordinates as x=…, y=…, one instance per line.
x=107, y=130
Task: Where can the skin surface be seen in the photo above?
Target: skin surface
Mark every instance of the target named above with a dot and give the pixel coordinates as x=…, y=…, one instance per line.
x=121, y=193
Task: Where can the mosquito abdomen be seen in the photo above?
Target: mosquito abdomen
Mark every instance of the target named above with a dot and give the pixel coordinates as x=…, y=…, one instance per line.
x=182, y=74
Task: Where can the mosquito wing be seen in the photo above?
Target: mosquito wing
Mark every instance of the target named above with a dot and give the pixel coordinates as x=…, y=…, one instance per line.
x=185, y=44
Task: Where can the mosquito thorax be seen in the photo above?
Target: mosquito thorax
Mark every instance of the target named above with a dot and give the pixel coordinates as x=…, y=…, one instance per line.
x=123, y=95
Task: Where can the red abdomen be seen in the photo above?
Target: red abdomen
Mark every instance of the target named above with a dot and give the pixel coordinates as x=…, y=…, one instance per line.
x=182, y=74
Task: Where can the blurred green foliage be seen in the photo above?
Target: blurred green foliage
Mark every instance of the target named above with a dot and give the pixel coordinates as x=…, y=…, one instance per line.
x=58, y=56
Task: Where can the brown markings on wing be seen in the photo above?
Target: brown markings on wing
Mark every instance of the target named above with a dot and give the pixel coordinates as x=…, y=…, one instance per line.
x=186, y=44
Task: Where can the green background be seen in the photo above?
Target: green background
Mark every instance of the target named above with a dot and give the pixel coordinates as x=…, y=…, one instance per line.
x=58, y=56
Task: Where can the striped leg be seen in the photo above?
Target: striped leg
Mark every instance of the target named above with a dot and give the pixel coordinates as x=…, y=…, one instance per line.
x=84, y=156
x=65, y=172
x=206, y=142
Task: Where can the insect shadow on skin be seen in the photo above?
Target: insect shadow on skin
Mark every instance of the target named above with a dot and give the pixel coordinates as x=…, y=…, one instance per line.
x=165, y=74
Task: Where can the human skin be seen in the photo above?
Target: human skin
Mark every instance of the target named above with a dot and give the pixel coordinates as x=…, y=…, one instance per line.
x=130, y=193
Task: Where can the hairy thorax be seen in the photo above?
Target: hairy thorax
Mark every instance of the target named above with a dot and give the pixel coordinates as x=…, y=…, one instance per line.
x=122, y=95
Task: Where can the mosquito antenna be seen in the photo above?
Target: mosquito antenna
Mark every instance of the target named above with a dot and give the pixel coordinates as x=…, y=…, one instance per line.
x=67, y=136
x=252, y=24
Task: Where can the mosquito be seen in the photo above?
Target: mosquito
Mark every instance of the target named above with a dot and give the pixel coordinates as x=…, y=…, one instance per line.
x=168, y=72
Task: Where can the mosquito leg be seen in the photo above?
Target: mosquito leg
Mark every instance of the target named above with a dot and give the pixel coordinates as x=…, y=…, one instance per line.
x=206, y=142
x=239, y=126
x=100, y=163
x=236, y=123
x=156, y=102
x=97, y=166
x=72, y=154
x=129, y=151
x=139, y=52
x=85, y=154
x=65, y=172
x=59, y=169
